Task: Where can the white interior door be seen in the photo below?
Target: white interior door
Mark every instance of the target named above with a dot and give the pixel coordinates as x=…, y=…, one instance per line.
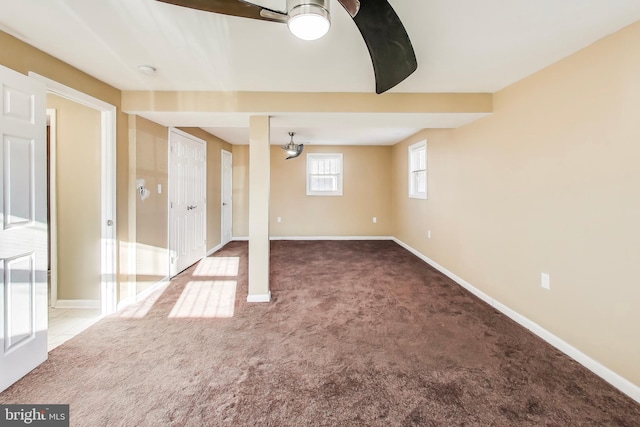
x=23, y=226
x=227, y=197
x=187, y=200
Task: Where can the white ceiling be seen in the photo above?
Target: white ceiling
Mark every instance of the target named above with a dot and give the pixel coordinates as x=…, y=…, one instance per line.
x=461, y=46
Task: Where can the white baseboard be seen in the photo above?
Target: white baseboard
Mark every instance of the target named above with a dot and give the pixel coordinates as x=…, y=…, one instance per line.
x=259, y=297
x=331, y=238
x=161, y=284
x=214, y=250
x=616, y=380
x=91, y=304
x=246, y=239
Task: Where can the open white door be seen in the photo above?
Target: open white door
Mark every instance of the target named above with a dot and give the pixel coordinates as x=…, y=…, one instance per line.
x=23, y=226
x=227, y=197
x=187, y=200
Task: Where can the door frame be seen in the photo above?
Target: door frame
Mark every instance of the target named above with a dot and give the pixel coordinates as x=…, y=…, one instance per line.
x=222, y=182
x=108, y=245
x=53, y=205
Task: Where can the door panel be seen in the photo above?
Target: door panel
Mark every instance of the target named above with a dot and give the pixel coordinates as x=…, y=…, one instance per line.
x=19, y=294
x=187, y=200
x=227, y=194
x=18, y=207
x=23, y=226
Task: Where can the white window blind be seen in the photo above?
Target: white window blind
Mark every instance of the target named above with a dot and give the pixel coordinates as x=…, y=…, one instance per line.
x=324, y=174
x=418, y=170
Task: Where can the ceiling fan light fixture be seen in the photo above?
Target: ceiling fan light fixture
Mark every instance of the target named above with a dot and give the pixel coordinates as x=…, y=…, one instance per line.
x=310, y=19
x=293, y=150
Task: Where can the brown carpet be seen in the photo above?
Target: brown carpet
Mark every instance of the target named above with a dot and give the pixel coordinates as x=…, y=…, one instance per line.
x=357, y=334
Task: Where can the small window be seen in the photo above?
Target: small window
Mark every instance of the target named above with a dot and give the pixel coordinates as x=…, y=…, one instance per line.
x=418, y=170
x=324, y=174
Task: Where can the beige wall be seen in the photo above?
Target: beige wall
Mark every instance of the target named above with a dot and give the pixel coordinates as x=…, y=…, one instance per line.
x=77, y=189
x=150, y=161
x=215, y=146
x=240, y=191
x=23, y=58
x=151, y=165
x=366, y=193
x=549, y=183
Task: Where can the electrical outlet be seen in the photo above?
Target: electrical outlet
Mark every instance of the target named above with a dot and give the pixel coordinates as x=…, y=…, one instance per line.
x=545, y=281
x=279, y=219
x=375, y=219
x=428, y=234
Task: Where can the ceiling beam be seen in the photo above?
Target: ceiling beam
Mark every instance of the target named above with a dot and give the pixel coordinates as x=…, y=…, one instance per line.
x=305, y=102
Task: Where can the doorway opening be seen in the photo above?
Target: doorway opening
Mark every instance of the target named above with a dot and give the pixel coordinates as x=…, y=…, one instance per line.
x=69, y=316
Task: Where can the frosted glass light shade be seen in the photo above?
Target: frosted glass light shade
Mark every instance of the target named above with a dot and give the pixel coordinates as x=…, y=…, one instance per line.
x=309, y=21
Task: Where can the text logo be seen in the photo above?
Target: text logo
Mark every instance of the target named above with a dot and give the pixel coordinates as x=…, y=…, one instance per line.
x=34, y=415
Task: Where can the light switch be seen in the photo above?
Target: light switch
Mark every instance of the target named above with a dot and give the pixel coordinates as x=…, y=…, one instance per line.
x=545, y=282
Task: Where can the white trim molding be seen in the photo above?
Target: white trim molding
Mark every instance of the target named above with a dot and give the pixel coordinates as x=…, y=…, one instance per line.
x=159, y=285
x=312, y=158
x=331, y=238
x=53, y=205
x=412, y=169
x=613, y=378
x=259, y=298
x=214, y=250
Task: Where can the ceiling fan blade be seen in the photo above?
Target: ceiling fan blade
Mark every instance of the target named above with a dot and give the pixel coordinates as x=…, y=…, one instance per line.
x=274, y=16
x=391, y=51
x=352, y=6
x=227, y=7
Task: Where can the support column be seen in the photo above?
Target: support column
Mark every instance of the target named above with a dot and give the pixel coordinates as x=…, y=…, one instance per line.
x=259, y=182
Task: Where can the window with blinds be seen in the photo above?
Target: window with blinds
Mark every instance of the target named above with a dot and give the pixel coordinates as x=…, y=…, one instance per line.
x=324, y=174
x=418, y=170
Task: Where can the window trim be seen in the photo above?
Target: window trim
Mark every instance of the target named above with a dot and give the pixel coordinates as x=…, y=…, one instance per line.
x=411, y=150
x=339, y=191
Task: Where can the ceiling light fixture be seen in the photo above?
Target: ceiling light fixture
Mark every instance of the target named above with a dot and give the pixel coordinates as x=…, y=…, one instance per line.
x=308, y=19
x=293, y=150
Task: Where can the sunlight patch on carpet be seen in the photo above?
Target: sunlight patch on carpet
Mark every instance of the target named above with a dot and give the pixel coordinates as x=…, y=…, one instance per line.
x=140, y=309
x=218, y=267
x=207, y=299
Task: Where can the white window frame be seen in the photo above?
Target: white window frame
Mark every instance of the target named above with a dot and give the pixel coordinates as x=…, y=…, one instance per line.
x=313, y=156
x=414, y=149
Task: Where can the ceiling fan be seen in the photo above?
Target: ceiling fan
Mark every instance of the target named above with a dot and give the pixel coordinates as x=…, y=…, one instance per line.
x=293, y=150
x=389, y=46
